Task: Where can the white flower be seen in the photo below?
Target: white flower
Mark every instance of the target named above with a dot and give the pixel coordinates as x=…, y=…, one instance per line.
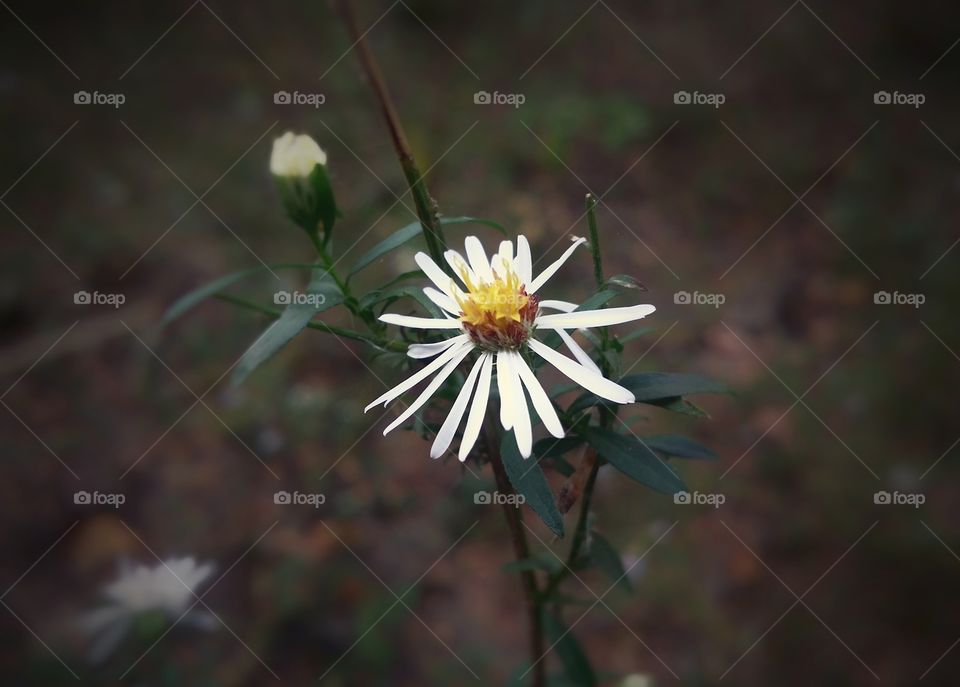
x=169, y=587
x=295, y=155
x=497, y=315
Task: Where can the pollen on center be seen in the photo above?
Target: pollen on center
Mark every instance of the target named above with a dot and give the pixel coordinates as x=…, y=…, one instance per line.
x=499, y=313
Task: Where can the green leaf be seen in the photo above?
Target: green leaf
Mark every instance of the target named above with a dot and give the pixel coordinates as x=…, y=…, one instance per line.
x=636, y=334
x=633, y=458
x=575, y=661
x=679, y=405
x=608, y=560
x=527, y=479
x=679, y=446
x=653, y=385
x=407, y=233
x=552, y=450
x=407, y=291
x=293, y=320
x=550, y=447
x=657, y=386
x=625, y=281
x=190, y=300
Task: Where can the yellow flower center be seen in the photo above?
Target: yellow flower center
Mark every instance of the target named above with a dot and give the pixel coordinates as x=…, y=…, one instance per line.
x=497, y=303
x=499, y=313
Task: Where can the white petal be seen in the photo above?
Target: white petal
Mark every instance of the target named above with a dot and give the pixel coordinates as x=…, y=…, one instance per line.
x=478, y=408
x=506, y=251
x=478, y=259
x=595, y=318
x=522, y=262
x=430, y=389
x=415, y=379
x=428, y=350
x=449, y=427
x=442, y=300
x=518, y=406
x=547, y=273
x=562, y=306
x=583, y=376
x=441, y=279
x=460, y=265
x=578, y=353
x=420, y=322
x=539, y=398
x=503, y=387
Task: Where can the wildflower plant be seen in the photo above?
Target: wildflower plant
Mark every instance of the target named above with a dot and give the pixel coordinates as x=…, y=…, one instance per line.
x=483, y=330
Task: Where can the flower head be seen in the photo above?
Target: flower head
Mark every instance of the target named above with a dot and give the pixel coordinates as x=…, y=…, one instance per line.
x=295, y=155
x=168, y=587
x=496, y=310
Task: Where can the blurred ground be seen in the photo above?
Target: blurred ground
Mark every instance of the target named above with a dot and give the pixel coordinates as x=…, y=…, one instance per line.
x=797, y=200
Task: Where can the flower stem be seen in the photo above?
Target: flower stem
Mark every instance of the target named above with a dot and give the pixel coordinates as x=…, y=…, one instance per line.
x=594, y=239
x=521, y=549
x=426, y=206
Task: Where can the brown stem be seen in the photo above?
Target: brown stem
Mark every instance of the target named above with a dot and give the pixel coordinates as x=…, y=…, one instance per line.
x=426, y=206
x=521, y=550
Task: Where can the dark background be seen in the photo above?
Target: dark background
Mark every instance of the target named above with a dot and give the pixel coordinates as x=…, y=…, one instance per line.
x=693, y=188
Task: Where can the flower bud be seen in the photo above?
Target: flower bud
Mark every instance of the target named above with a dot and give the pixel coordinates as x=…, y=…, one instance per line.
x=300, y=167
x=295, y=155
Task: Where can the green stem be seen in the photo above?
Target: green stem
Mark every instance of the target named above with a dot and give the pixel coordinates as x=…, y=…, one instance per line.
x=274, y=313
x=594, y=240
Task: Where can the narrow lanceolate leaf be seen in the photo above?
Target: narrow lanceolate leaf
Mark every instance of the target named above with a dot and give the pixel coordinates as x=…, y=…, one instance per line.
x=675, y=404
x=527, y=479
x=550, y=447
x=190, y=300
x=322, y=293
x=575, y=662
x=651, y=387
x=635, y=459
x=625, y=281
x=388, y=296
x=608, y=560
x=681, y=447
x=408, y=233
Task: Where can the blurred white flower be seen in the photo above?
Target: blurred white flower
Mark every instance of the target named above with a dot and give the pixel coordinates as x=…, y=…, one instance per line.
x=637, y=680
x=295, y=155
x=496, y=313
x=169, y=587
